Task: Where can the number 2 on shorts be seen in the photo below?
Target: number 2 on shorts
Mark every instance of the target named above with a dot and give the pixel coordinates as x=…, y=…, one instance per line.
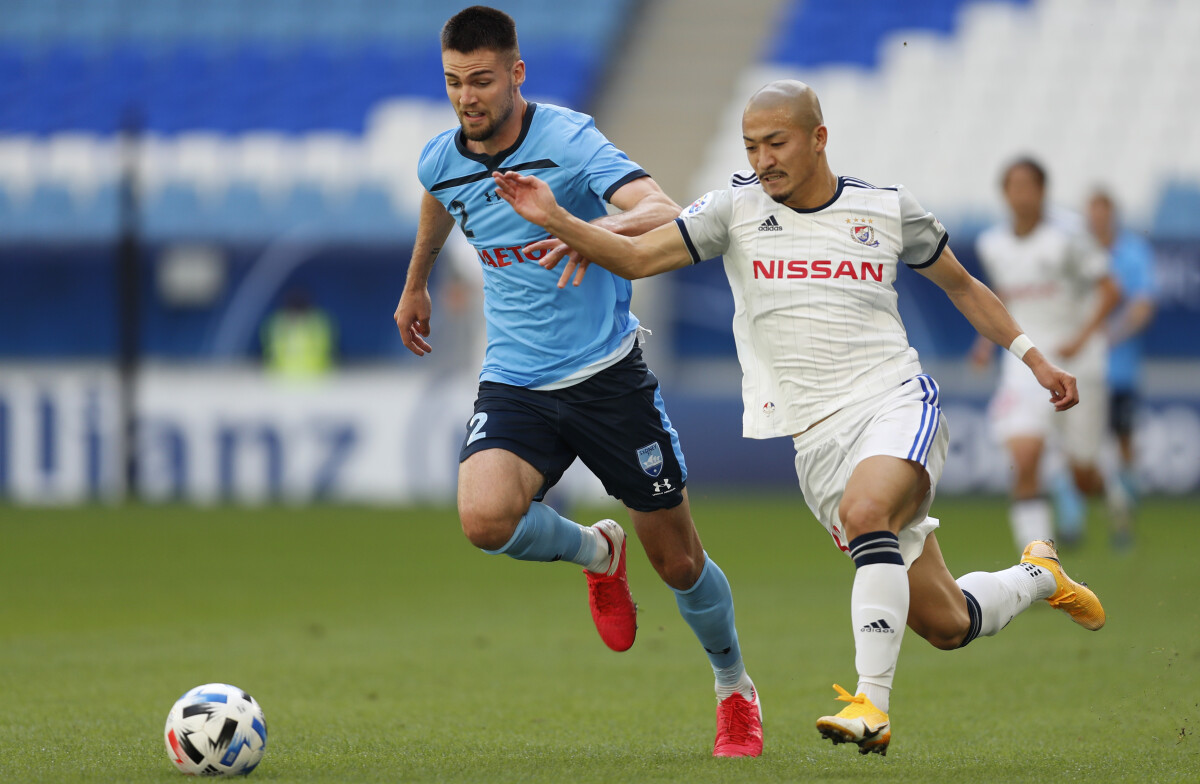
x=476, y=424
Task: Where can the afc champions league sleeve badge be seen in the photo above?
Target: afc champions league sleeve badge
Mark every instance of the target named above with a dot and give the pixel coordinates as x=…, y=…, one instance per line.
x=699, y=204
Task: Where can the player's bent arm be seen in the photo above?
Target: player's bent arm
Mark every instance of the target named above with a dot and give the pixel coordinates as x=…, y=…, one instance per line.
x=1109, y=296
x=433, y=227
x=973, y=299
x=658, y=250
x=1135, y=319
x=992, y=320
x=643, y=207
x=654, y=252
x=416, y=307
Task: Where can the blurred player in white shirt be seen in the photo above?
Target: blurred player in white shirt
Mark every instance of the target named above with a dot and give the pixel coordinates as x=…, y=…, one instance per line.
x=811, y=259
x=1054, y=279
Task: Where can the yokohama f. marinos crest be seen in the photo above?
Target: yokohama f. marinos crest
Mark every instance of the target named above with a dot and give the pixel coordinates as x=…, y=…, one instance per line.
x=864, y=234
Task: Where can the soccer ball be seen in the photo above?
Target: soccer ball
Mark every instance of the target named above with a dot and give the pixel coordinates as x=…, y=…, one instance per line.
x=216, y=729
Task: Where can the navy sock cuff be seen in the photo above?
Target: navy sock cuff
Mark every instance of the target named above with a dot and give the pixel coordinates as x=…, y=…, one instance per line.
x=875, y=548
x=976, y=619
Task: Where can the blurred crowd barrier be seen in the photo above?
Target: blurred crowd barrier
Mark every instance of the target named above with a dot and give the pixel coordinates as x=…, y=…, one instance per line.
x=237, y=434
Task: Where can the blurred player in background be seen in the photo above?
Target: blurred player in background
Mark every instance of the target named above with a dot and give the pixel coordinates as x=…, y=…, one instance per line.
x=563, y=376
x=1133, y=267
x=1054, y=280
x=811, y=259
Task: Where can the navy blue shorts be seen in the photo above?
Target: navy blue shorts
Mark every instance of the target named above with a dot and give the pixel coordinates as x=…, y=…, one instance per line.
x=1122, y=405
x=615, y=422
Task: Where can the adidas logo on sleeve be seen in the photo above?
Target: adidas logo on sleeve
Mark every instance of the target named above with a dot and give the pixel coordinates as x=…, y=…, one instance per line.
x=770, y=224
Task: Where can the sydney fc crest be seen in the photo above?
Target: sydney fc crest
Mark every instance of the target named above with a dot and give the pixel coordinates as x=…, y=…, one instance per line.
x=650, y=457
x=864, y=234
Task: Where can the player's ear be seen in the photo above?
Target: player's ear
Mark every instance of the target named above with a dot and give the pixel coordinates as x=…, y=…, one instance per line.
x=518, y=73
x=820, y=138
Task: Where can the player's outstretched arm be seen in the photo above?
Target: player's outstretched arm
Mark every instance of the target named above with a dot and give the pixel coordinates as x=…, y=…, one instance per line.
x=643, y=207
x=654, y=252
x=415, y=309
x=991, y=319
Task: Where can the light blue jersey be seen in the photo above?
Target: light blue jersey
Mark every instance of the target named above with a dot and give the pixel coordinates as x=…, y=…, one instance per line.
x=1133, y=268
x=538, y=334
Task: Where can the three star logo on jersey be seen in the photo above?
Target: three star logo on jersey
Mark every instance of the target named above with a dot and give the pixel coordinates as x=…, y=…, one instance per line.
x=864, y=234
x=650, y=458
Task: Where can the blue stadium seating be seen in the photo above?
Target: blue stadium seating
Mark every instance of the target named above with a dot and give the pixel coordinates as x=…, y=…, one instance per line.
x=813, y=33
x=230, y=65
x=1178, y=212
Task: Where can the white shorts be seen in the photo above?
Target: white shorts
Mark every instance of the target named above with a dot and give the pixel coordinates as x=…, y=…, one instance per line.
x=905, y=422
x=1021, y=407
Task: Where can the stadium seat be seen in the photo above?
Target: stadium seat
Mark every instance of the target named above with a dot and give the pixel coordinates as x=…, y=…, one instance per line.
x=241, y=214
x=175, y=211
x=1178, y=212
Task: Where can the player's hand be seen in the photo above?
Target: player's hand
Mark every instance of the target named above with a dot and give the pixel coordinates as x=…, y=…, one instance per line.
x=412, y=319
x=1063, y=390
x=550, y=251
x=530, y=197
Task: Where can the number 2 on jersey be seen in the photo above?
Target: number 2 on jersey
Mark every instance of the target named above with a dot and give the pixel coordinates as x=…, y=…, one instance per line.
x=458, y=206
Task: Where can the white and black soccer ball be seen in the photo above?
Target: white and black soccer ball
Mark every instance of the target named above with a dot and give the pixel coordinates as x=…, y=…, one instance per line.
x=214, y=730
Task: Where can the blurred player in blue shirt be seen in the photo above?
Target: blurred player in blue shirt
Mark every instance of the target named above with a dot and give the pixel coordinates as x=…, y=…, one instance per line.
x=1133, y=268
x=563, y=375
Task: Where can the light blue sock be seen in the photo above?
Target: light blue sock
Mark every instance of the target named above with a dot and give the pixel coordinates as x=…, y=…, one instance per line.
x=544, y=535
x=1069, y=506
x=708, y=608
x=1128, y=480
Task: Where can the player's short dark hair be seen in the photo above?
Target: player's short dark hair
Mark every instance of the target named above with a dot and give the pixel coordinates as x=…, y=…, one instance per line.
x=1028, y=162
x=481, y=27
x=1102, y=194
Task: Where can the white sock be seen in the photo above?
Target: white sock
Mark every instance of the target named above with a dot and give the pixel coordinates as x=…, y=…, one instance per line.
x=598, y=545
x=879, y=611
x=1002, y=596
x=1031, y=519
x=733, y=679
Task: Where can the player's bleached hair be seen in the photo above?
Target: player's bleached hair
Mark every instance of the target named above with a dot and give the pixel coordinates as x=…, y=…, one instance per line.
x=1028, y=162
x=481, y=27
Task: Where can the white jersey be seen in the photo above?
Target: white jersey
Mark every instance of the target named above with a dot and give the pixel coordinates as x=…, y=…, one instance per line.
x=1047, y=279
x=815, y=317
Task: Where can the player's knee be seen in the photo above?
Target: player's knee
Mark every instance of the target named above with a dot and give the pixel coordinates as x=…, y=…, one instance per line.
x=862, y=516
x=945, y=642
x=947, y=631
x=487, y=528
x=680, y=570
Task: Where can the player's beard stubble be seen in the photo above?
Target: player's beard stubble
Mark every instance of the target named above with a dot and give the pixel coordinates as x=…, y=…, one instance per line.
x=485, y=132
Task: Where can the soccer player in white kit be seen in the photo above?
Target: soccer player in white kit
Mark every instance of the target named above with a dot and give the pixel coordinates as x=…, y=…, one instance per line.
x=1055, y=281
x=811, y=258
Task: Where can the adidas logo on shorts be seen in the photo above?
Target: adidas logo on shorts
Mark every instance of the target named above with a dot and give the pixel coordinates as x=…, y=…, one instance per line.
x=770, y=224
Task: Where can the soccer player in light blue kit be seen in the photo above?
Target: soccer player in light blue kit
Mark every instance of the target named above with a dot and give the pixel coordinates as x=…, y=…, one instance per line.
x=563, y=375
x=1133, y=267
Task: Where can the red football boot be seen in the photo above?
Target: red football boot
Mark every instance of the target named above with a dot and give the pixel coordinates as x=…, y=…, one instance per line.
x=612, y=605
x=739, y=727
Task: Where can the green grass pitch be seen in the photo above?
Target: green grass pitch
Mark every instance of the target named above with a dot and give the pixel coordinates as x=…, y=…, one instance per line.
x=384, y=648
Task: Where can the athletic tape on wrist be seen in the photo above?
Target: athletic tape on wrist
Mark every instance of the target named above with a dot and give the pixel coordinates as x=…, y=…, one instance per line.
x=1021, y=344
